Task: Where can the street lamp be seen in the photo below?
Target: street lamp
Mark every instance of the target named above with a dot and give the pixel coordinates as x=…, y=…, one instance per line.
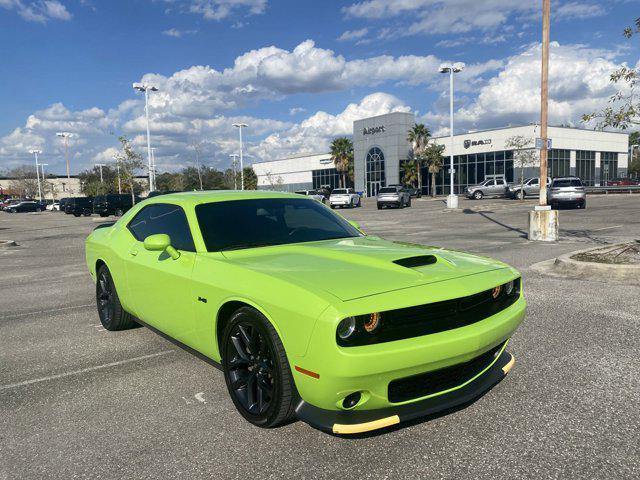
x=117, y=159
x=452, y=199
x=239, y=126
x=36, y=153
x=234, y=161
x=44, y=190
x=146, y=88
x=101, y=165
x=65, y=138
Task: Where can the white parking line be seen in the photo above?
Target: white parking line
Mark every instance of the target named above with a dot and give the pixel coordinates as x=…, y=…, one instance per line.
x=606, y=228
x=52, y=310
x=84, y=370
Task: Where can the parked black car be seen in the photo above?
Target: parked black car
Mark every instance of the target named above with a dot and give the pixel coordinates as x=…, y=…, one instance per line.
x=24, y=206
x=112, y=204
x=63, y=203
x=79, y=206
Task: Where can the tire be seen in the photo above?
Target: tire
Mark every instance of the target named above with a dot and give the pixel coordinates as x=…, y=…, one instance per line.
x=254, y=357
x=409, y=202
x=104, y=214
x=332, y=207
x=379, y=207
x=112, y=315
x=119, y=212
x=87, y=214
x=359, y=204
x=13, y=210
x=76, y=214
x=520, y=195
x=478, y=195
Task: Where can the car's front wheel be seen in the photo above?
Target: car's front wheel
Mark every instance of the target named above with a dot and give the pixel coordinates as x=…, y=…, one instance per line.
x=520, y=195
x=256, y=370
x=478, y=195
x=112, y=315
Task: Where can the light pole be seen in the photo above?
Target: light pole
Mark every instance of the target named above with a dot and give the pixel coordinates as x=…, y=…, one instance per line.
x=239, y=126
x=100, y=165
x=117, y=159
x=153, y=164
x=65, y=138
x=35, y=154
x=44, y=190
x=234, y=161
x=146, y=88
x=452, y=199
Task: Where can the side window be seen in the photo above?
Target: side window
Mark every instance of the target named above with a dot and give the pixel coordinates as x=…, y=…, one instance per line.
x=163, y=218
x=534, y=182
x=490, y=183
x=499, y=181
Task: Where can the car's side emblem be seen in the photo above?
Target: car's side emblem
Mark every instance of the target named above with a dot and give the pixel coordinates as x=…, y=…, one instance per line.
x=202, y=299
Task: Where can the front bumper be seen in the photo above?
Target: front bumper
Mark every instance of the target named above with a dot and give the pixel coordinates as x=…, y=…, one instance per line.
x=360, y=421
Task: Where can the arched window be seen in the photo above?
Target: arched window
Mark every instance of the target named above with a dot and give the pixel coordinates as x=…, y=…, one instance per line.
x=374, y=171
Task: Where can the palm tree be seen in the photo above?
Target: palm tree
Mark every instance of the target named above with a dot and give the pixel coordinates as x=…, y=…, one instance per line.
x=418, y=136
x=410, y=172
x=434, y=159
x=342, y=156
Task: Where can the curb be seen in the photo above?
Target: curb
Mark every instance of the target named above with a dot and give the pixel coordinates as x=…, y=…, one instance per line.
x=565, y=266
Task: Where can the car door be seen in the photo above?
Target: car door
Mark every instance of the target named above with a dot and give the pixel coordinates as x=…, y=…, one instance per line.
x=533, y=188
x=499, y=188
x=159, y=285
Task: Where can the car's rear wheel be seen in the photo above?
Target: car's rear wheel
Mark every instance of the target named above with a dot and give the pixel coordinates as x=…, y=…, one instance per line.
x=112, y=315
x=409, y=202
x=256, y=370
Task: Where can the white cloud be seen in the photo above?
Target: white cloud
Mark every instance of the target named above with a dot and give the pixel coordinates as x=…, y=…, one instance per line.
x=314, y=134
x=218, y=9
x=353, y=34
x=175, y=33
x=428, y=17
x=40, y=11
x=296, y=110
x=578, y=83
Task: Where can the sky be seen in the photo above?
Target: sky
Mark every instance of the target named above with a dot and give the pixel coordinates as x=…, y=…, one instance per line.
x=297, y=72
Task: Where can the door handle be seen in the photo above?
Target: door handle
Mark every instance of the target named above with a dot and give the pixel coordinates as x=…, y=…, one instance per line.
x=133, y=253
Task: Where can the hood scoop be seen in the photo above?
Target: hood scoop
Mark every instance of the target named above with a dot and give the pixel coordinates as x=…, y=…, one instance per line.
x=417, y=261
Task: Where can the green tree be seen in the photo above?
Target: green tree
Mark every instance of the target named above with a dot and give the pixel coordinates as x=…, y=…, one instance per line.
x=433, y=158
x=170, y=181
x=634, y=161
x=250, y=179
x=342, y=157
x=418, y=137
x=91, y=185
x=410, y=172
x=524, y=154
x=623, y=110
x=130, y=161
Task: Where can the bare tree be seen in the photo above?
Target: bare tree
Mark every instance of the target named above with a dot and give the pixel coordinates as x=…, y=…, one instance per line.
x=524, y=155
x=24, y=181
x=130, y=161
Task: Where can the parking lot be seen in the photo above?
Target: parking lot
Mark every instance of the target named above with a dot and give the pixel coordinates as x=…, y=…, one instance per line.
x=77, y=401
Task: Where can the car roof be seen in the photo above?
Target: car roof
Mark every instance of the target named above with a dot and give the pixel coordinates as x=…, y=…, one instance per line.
x=208, y=196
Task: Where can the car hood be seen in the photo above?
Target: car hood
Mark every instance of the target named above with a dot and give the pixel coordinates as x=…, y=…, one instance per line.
x=353, y=268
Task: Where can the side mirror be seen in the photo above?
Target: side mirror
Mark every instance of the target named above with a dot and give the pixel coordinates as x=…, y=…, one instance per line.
x=161, y=242
x=354, y=224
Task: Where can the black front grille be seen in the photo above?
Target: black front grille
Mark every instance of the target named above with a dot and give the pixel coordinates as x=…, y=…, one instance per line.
x=432, y=317
x=424, y=384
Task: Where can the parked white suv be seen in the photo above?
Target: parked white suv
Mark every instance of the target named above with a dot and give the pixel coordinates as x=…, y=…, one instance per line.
x=344, y=197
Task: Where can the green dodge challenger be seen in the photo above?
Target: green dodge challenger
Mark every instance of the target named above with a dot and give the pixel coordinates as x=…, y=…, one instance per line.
x=306, y=315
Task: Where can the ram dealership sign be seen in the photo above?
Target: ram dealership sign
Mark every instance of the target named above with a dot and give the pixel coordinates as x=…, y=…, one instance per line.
x=372, y=130
x=475, y=143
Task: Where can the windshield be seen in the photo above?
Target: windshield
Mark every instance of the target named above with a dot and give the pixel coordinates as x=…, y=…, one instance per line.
x=339, y=191
x=567, y=182
x=238, y=224
x=388, y=190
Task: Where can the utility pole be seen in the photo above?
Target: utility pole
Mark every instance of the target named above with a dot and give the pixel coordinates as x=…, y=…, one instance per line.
x=44, y=190
x=65, y=139
x=543, y=222
x=118, y=170
x=452, y=199
x=153, y=165
x=143, y=87
x=196, y=148
x=234, y=160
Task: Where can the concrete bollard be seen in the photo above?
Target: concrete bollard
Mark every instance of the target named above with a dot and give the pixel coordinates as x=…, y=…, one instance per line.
x=543, y=224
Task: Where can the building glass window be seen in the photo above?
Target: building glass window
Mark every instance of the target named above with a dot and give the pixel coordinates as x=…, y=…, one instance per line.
x=327, y=177
x=374, y=175
x=608, y=167
x=470, y=170
x=586, y=167
x=558, y=163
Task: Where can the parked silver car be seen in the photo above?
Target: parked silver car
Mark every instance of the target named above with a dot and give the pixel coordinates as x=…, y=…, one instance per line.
x=491, y=187
x=529, y=188
x=393, y=196
x=567, y=191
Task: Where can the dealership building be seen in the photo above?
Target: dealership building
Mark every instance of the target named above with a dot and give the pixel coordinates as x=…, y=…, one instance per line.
x=380, y=146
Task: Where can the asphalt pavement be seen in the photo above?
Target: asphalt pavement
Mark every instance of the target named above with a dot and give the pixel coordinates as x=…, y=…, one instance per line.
x=77, y=401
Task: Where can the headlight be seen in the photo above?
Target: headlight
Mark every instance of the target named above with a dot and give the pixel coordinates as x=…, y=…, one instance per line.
x=346, y=328
x=508, y=287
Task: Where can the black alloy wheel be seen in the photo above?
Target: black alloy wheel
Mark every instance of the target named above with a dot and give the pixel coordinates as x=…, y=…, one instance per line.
x=119, y=212
x=112, y=315
x=256, y=370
